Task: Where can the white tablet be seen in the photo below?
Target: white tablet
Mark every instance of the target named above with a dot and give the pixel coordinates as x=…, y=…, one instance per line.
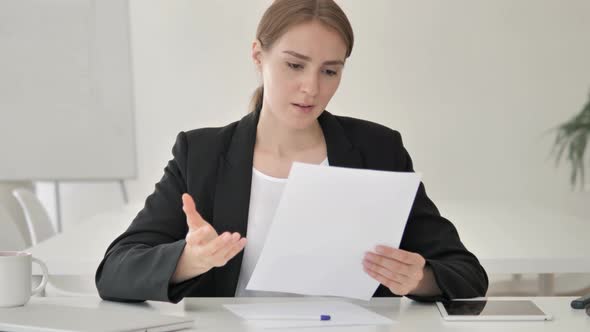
x=486, y=310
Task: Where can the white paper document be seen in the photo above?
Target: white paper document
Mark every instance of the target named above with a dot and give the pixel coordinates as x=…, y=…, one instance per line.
x=276, y=315
x=326, y=220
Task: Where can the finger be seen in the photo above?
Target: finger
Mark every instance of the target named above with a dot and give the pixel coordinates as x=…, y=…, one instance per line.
x=236, y=249
x=228, y=252
x=193, y=218
x=233, y=239
x=400, y=255
x=390, y=264
x=394, y=286
x=223, y=255
x=214, y=245
x=391, y=275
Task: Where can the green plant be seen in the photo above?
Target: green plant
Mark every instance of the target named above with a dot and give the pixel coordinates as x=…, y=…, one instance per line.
x=572, y=137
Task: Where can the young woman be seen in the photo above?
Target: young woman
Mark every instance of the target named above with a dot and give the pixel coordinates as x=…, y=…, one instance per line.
x=224, y=183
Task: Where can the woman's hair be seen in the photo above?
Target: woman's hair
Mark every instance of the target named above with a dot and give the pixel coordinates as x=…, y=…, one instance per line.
x=283, y=14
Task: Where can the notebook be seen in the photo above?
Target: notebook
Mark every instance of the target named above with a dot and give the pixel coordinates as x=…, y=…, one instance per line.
x=37, y=317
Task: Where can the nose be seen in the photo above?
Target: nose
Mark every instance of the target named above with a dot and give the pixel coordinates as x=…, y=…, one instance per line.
x=310, y=84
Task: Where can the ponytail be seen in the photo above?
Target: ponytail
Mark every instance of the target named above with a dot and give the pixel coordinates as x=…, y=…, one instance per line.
x=256, y=101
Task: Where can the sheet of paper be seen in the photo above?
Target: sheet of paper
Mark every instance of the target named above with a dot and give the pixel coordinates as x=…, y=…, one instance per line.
x=341, y=313
x=327, y=218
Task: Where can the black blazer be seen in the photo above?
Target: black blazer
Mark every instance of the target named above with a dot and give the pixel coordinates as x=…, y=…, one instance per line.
x=214, y=165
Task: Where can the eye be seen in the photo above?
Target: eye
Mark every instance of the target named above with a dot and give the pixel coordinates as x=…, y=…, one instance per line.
x=294, y=66
x=330, y=72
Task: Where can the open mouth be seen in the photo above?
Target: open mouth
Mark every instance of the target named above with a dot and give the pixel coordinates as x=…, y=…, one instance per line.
x=303, y=107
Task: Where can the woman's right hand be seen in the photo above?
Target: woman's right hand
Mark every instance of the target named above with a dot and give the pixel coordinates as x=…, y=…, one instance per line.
x=204, y=248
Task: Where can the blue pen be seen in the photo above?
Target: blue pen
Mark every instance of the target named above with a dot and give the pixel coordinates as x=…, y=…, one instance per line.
x=323, y=317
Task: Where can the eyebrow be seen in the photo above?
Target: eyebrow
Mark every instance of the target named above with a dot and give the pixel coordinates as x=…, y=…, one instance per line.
x=306, y=58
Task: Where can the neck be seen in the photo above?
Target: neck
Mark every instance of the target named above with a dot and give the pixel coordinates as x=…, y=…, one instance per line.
x=282, y=141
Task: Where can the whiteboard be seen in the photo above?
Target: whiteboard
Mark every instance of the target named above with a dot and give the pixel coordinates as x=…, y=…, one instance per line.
x=66, y=94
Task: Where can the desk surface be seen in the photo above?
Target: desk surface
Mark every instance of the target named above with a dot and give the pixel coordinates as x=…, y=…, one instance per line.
x=506, y=239
x=210, y=315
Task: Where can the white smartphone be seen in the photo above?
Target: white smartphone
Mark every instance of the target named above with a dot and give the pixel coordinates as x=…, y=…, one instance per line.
x=490, y=310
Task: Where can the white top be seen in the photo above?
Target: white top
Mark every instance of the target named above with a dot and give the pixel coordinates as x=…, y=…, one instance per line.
x=265, y=194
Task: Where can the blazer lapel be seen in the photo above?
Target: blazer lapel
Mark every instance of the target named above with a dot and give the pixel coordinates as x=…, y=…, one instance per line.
x=341, y=152
x=234, y=181
x=232, y=196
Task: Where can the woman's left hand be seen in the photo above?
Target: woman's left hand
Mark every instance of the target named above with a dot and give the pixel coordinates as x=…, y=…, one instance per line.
x=399, y=270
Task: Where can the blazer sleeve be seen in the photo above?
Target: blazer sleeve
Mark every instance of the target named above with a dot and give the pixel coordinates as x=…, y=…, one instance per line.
x=139, y=264
x=457, y=271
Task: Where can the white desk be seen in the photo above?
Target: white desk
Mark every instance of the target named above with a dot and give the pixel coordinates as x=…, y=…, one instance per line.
x=506, y=239
x=210, y=315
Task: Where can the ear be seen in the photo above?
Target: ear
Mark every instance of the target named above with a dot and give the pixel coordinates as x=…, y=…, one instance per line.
x=257, y=54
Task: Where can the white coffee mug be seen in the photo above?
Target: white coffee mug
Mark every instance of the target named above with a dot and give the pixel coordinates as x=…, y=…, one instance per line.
x=16, y=278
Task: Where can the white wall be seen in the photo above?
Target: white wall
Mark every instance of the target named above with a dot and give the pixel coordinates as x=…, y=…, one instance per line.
x=471, y=85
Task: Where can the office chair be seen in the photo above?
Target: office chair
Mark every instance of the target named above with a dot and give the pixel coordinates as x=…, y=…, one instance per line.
x=12, y=206
x=38, y=221
x=11, y=238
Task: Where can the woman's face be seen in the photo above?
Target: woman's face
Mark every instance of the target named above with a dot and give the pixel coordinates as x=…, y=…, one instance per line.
x=301, y=73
